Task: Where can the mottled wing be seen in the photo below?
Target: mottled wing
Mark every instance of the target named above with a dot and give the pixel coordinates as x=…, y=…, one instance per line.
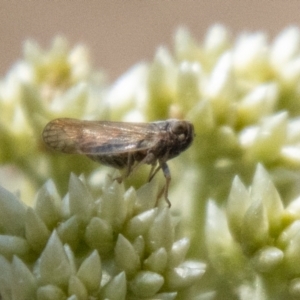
x=99, y=137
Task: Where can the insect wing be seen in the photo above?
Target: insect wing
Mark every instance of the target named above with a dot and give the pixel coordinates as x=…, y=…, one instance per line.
x=100, y=137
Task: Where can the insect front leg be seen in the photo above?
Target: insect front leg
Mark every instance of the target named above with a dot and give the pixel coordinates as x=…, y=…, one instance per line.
x=148, y=159
x=153, y=171
x=130, y=162
x=167, y=174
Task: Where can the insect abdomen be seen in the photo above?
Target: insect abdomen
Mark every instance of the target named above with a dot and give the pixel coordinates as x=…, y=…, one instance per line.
x=115, y=161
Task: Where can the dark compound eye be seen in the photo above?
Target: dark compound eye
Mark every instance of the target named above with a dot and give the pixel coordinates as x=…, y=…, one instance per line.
x=179, y=127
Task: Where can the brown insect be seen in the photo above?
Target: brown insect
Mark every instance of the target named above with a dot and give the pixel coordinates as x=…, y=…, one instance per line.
x=120, y=144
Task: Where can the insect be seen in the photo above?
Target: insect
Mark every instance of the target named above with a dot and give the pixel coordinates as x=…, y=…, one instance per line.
x=123, y=144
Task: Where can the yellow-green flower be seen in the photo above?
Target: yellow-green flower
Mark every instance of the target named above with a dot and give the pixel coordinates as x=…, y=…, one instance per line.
x=255, y=240
x=58, y=82
x=242, y=96
x=115, y=246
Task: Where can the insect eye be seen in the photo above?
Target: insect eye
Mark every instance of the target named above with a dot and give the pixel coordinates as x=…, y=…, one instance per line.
x=179, y=128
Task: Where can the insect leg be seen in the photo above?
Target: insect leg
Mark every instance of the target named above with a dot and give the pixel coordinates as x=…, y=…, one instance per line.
x=129, y=169
x=153, y=172
x=130, y=162
x=167, y=174
x=148, y=159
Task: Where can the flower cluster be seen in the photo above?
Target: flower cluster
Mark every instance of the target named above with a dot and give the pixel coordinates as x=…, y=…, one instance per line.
x=242, y=97
x=255, y=241
x=118, y=246
x=45, y=85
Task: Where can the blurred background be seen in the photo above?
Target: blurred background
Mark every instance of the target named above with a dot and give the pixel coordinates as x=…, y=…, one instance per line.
x=121, y=33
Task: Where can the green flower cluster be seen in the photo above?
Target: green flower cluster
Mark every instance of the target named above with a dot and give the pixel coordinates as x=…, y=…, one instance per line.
x=254, y=241
x=45, y=85
x=78, y=247
x=242, y=97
